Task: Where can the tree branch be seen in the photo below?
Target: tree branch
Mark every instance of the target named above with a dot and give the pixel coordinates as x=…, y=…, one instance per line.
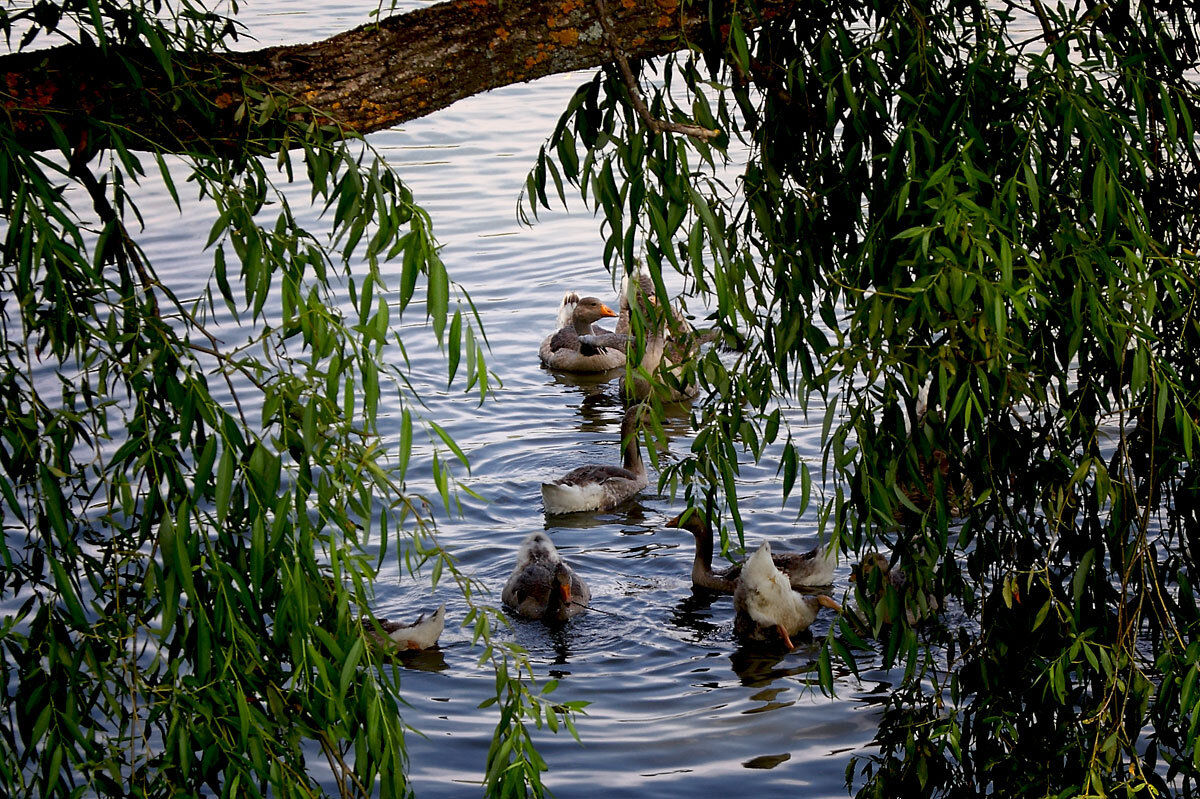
x=635, y=94
x=359, y=81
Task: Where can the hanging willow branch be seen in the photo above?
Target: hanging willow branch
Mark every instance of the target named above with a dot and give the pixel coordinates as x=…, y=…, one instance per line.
x=635, y=95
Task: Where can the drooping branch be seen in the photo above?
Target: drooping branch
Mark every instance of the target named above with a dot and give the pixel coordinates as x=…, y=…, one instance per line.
x=635, y=94
x=363, y=80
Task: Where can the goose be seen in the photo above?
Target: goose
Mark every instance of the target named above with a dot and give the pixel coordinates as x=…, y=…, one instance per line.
x=765, y=606
x=803, y=569
x=565, y=348
x=420, y=634
x=543, y=586
x=665, y=349
x=874, y=574
x=600, y=487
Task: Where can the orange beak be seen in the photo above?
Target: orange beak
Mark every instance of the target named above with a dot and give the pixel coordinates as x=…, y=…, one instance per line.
x=787, y=639
x=606, y=311
x=565, y=590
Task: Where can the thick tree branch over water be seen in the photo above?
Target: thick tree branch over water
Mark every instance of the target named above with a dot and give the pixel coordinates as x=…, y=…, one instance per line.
x=366, y=79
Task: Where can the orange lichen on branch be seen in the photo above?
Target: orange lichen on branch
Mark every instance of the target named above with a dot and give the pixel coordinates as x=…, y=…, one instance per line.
x=502, y=34
x=376, y=116
x=31, y=93
x=567, y=6
x=669, y=9
x=224, y=100
x=566, y=38
x=542, y=55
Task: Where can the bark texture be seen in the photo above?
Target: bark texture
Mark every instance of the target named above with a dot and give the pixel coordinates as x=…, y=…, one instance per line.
x=363, y=80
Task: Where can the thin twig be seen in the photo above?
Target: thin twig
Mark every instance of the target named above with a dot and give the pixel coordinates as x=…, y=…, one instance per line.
x=342, y=772
x=1044, y=19
x=126, y=251
x=635, y=94
x=597, y=610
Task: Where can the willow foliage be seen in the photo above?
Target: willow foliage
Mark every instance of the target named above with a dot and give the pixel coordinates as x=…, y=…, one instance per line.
x=188, y=501
x=968, y=232
x=965, y=231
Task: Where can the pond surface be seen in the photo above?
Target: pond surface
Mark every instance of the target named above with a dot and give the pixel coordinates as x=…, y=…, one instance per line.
x=677, y=708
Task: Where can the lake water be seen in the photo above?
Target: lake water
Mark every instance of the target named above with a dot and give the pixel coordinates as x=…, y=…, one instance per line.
x=677, y=708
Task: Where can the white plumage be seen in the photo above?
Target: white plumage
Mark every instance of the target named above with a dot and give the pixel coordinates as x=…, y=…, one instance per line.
x=766, y=607
x=420, y=634
x=597, y=486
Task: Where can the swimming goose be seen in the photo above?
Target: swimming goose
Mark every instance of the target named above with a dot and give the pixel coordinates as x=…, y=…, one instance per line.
x=665, y=348
x=874, y=574
x=565, y=350
x=420, y=634
x=597, y=487
x=765, y=606
x=804, y=569
x=543, y=586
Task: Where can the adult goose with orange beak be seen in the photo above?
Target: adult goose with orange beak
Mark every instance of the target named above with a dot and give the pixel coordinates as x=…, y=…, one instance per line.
x=564, y=350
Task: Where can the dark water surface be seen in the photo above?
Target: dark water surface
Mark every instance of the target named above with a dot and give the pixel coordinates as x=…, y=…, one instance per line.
x=677, y=709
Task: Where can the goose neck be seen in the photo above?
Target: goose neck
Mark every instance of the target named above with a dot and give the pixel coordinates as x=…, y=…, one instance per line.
x=632, y=455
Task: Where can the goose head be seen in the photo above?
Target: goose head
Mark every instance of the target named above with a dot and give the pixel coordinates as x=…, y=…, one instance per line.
x=587, y=311
x=694, y=522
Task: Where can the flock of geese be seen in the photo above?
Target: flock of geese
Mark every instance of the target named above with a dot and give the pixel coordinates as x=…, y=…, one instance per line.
x=769, y=606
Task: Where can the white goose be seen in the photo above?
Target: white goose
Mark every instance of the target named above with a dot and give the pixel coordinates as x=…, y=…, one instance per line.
x=566, y=350
x=543, y=586
x=809, y=569
x=765, y=606
x=420, y=634
x=601, y=487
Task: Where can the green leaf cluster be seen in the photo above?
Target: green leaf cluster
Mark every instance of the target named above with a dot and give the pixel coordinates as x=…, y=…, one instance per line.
x=195, y=493
x=967, y=233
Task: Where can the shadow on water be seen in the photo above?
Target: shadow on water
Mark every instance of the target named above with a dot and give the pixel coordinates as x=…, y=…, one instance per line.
x=758, y=667
x=631, y=512
x=431, y=660
x=546, y=637
x=694, y=614
x=767, y=761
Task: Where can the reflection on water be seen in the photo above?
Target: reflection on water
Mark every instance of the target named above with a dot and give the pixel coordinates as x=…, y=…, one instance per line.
x=422, y=659
x=767, y=761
